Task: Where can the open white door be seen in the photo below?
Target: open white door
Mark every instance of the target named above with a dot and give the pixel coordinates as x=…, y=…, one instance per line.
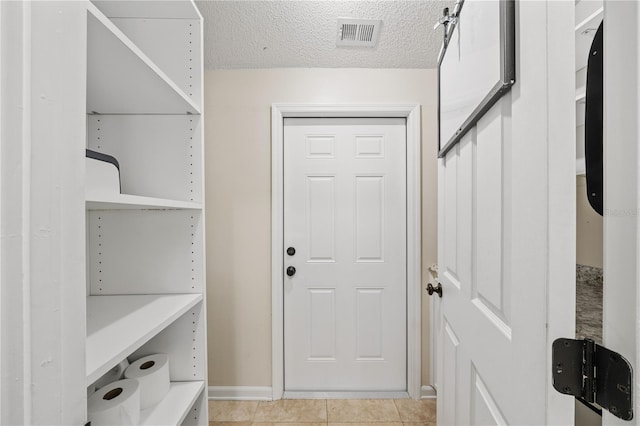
x=621, y=186
x=506, y=238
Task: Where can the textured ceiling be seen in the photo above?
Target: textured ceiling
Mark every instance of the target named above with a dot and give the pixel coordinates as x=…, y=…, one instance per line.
x=300, y=33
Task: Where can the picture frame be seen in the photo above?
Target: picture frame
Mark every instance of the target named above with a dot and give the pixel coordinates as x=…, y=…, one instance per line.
x=483, y=70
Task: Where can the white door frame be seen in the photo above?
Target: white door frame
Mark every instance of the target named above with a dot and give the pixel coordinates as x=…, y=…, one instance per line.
x=412, y=114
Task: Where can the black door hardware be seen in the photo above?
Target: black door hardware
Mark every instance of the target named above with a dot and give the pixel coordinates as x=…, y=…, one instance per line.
x=437, y=289
x=593, y=136
x=291, y=251
x=291, y=271
x=593, y=373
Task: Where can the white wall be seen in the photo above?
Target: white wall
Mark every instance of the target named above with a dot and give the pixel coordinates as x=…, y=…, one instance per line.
x=588, y=228
x=238, y=193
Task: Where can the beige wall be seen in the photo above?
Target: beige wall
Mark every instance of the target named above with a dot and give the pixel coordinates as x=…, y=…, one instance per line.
x=238, y=173
x=588, y=228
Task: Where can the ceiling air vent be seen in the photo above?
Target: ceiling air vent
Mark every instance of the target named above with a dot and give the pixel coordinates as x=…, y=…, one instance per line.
x=358, y=32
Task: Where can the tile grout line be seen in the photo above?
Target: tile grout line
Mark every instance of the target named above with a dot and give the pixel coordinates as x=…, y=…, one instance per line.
x=253, y=416
x=397, y=411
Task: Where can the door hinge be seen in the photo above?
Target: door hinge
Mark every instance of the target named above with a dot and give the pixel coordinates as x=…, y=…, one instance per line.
x=593, y=374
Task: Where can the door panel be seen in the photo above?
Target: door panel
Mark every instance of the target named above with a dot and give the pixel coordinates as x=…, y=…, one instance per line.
x=447, y=391
x=345, y=213
x=456, y=183
x=488, y=286
x=320, y=193
x=370, y=318
x=484, y=409
x=370, y=219
x=490, y=289
x=322, y=324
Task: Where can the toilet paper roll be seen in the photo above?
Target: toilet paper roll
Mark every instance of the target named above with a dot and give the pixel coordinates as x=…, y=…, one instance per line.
x=152, y=372
x=117, y=403
x=116, y=373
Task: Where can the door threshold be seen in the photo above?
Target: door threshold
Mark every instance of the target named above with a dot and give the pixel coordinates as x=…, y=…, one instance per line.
x=346, y=395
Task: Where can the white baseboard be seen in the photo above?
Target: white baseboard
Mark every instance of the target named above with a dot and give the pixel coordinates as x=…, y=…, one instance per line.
x=265, y=393
x=241, y=393
x=345, y=395
x=427, y=392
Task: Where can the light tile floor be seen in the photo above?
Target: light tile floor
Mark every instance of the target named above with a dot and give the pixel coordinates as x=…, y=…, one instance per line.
x=312, y=412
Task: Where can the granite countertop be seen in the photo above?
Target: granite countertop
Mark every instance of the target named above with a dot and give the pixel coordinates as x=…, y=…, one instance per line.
x=589, y=303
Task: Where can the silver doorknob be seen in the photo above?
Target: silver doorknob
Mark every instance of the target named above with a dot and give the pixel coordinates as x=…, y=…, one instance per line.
x=437, y=289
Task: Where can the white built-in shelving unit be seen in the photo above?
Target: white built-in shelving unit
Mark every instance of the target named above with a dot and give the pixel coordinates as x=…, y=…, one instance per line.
x=588, y=15
x=145, y=246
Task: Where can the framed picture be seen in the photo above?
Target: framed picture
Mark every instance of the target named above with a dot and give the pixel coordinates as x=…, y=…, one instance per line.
x=476, y=65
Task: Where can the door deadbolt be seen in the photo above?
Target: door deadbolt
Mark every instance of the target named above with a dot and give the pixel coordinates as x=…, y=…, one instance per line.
x=291, y=271
x=437, y=289
x=291, y=251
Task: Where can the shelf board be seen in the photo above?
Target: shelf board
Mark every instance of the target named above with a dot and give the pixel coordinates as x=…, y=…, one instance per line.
x=163, y=9
x=121, y=79
x=175, y=406
x=118, y=325
x=134, y=202
x=585, y=32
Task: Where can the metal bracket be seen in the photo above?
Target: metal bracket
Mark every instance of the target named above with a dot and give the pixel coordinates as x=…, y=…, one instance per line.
x=593, y=373
x=444, y=20
x=449, y=20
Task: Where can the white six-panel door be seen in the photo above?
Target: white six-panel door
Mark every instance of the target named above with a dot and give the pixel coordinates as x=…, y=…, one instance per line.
x=345, y=216
x=506, y=239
